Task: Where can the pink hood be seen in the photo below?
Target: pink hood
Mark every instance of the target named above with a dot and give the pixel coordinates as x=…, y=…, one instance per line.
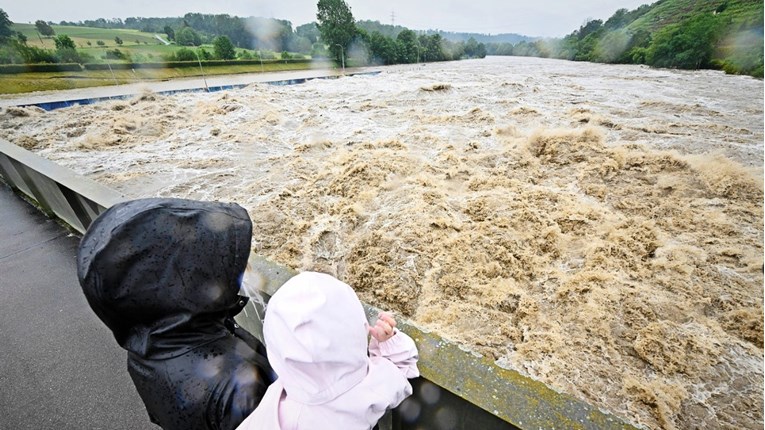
x=316, y=337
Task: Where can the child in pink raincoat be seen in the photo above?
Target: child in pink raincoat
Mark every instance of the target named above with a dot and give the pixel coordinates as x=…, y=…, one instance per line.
x=316, y=337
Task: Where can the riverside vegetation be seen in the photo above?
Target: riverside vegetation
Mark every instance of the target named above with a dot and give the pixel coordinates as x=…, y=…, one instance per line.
x=105, y=52
x=685, y=34
x=712, y=34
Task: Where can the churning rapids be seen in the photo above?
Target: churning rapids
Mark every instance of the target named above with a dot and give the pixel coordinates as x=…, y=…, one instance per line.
x=596, y=227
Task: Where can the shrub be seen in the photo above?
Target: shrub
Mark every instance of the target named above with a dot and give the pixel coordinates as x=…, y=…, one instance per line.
x=116, y=54
x=21, y=68
x=184, y=54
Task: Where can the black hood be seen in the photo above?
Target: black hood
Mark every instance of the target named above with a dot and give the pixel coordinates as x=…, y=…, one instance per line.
x=164, y=274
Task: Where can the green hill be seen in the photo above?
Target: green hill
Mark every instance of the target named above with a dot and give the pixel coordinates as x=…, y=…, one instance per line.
x=725, y=34
x=96, y=42
x=82, y=35
x=736, y=13
x=687, y=34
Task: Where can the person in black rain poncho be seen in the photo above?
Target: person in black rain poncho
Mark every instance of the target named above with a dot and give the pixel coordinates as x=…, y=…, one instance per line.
x=164, y=276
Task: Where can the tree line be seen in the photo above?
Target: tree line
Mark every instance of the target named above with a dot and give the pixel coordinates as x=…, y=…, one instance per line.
x=387, y=47
x=375, y=43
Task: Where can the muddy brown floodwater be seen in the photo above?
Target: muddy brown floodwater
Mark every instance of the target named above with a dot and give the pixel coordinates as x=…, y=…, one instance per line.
x=598, y=228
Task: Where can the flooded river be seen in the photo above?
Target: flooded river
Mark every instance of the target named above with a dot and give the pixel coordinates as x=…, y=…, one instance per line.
x=596, y=227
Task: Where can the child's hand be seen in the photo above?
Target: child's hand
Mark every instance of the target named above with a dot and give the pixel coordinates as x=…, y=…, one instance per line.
x=384, y=328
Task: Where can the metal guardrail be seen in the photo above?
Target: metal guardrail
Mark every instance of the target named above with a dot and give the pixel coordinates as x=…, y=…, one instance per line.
x=457, y=390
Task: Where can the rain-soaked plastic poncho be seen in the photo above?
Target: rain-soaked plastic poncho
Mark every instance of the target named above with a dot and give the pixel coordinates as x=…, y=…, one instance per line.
x=164, y=275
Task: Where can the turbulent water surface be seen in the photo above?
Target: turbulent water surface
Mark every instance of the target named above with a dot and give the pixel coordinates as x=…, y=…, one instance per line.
x=598, y=228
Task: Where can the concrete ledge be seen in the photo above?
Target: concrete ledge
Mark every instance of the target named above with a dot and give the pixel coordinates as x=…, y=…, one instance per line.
x=57, y=190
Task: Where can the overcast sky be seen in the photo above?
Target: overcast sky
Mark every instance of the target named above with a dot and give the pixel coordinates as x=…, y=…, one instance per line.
x=546, y=18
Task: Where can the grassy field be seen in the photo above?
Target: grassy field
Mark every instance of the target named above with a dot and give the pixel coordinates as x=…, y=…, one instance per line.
x=28, y=82
x=142, y=47
x=82, y=35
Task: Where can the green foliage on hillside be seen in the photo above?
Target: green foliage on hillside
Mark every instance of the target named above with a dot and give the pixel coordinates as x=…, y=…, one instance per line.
x=686, y=34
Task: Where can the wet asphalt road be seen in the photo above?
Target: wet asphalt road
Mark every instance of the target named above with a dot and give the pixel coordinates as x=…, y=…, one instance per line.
x=60, y=367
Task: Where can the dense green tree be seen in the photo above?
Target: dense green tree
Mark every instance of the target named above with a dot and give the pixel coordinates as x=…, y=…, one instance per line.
x=473, y=49
x=118, y=40
x=587, y=45
x=381, y=49
x=169, y=32
x=235, y=28
x=65, y=49
x=6, y=30
x=636, y=48
x=619, y=19
x=407, y=48
x=186, y=36
x=205, y=54
x=687, y=45
x=223, y=48
x=336, y=26
x=10, y=53
x=309, y=31
x=44, y=28
x=566, y=48
x=589, y=28
x=64, y=42
x=386, y=30
x=431, y=47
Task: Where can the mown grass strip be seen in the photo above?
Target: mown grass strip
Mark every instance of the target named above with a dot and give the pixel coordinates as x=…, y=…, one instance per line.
x=49, y=81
